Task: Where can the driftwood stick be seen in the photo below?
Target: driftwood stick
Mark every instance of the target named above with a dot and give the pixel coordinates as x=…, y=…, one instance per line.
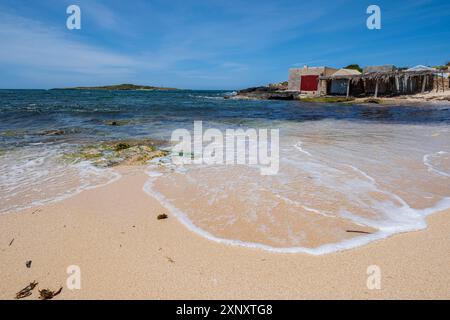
x=358, y=231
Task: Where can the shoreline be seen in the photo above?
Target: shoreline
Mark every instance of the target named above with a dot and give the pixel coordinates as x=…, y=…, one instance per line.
x=113, y=229
x=266, y=93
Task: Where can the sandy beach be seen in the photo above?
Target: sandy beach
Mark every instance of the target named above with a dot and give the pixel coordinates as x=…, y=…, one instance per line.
x=182, y=151
x=124, y=252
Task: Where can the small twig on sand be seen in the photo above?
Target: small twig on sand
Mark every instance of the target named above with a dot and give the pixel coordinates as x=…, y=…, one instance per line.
x=357, y=231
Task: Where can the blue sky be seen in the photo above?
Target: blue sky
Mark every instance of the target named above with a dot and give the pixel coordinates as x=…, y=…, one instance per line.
x=209, y=44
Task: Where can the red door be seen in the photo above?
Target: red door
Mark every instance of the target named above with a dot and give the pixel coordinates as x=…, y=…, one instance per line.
x=309, y=83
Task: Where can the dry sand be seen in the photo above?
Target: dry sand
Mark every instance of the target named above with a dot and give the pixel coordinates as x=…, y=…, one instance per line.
x=124, y=252
x=419, y=98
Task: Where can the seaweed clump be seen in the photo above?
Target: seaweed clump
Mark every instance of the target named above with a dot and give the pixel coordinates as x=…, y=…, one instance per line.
x=47, y=294
x=27, y=291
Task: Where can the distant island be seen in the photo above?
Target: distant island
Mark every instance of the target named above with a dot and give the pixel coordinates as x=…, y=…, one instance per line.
x=123, y=87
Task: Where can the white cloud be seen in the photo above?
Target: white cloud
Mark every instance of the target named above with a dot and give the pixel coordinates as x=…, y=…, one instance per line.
x=29, y=43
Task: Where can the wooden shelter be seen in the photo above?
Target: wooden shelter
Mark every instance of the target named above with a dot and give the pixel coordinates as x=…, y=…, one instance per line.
x=340, y=86
x=387, y=83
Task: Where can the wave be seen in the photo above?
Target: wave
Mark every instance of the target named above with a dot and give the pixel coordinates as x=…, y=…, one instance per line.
x=346, y=244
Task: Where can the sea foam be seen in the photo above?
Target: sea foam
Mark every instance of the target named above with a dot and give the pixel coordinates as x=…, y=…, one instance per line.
x=367, y=184
x=36, y=175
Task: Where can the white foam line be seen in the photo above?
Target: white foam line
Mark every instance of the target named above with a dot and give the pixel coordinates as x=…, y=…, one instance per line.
x=324, y=249
x=362, y=173
x=311, y=210
x=417, y=222
x=298, y=146
x=321, y=250
x=430, y=167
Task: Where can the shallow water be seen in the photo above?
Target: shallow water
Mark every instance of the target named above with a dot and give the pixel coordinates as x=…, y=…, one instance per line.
x=363, y=168
x=334, y=176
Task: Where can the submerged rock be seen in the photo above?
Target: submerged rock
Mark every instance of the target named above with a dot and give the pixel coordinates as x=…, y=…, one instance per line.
x=117, y=122
x=121, y=146
x=53, y=133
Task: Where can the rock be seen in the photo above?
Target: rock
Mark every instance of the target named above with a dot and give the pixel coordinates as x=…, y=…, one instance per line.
x=53, y=133
x=92, y=153
x=372, y=100
x=266, y=93
x=162, y=216
x=117, y=122
x=133, y=152
x=121, y=146
x=281, y=96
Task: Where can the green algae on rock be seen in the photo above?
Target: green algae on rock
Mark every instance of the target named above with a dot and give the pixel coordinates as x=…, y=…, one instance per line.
x=110, y=154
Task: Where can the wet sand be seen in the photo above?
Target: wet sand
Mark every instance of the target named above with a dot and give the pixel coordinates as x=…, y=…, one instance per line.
x=112, y=233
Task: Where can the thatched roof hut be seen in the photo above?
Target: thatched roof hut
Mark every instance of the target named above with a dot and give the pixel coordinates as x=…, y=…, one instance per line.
x=392, y=82
x=420, y=67
x=346, y=72
x=385, y=68
x=382, y=76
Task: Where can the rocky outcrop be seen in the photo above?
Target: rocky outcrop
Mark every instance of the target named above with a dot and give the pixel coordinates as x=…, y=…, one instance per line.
x=108, y=154
x=266, y=93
